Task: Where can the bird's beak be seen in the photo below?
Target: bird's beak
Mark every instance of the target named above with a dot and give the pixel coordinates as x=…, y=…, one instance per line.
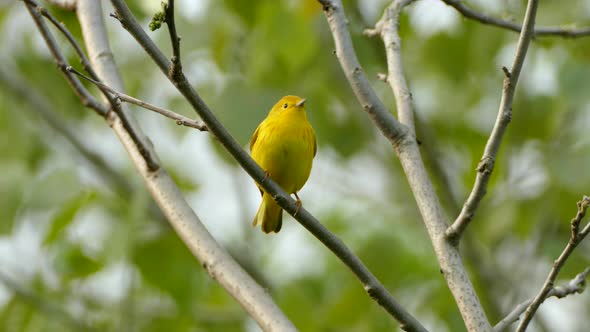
x=300, y=103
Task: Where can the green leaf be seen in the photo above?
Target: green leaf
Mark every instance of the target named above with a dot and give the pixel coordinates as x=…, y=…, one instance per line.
x=183, y=181
x=15, y=316
x=72, y=263
x=53, y=189
x=158, y=18
x=246, y=10
x=65, y=215
x=11, y=187
x=166, y=263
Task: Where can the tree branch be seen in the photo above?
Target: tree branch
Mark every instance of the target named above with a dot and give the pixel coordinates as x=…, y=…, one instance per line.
x=575, y=238
x=539, y=31
x=483, y=270
x=383, y=119
x=180, y=119
x=176, y=67
x=102, y=60
x=371, y=284
x=574, y=286
x=387, y=27
x=217, y=261
x=85, y=97
x=486, y=164
x=129, y=123
x=407, y=150
x=40, y=106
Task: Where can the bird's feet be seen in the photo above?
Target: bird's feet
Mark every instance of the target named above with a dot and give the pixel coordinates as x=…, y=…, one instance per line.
x=266, y=176
x=298, y=203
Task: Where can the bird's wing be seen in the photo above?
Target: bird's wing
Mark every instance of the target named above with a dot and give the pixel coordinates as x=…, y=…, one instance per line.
x=252, y=142
x=254, y=137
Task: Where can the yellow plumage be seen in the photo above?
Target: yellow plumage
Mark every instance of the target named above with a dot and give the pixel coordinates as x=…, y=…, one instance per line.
x=284, y=145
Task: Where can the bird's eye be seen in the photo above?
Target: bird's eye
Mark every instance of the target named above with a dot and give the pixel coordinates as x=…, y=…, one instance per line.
x=285, y=105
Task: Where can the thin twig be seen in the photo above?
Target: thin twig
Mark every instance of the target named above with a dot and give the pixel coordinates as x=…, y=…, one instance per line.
x=42, y=109
x=214, y=258
x=91, y=26
x=574, y=286
x=85, y=96
x=539, y=31
x=433, y=215
x=72, y=41
x=220, y=266
x=483, y=270
x=371, y=284
x=388, y=27
x=575, y=238
x=70, y=38
x=142, y=145
x=176, y=67
x=180, y=119
x=486, y=164
x=393, y=130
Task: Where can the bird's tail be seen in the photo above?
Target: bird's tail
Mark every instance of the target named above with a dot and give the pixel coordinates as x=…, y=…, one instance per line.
x=269, y=215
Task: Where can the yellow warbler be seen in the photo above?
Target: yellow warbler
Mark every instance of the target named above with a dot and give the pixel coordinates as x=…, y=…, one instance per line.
x=283, y=145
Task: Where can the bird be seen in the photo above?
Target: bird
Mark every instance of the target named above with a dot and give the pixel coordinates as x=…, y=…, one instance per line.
x=284, y=145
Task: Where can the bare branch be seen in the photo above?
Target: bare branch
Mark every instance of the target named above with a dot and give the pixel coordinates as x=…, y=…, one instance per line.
x=180, y=119
x=486, y=164
x=388, y=28
x=86, y=97
x=41, y=107
x=483, y=270
x=574, y=286
x=512, y=317
x=539, y=31
x=371, y=284
x=575, y=239
x=383, y=119
x=143, y=145
x=407, y=150
x=218, y=262
x=176, y=68
x=102, y=60
x=70, y=38
x=129, y=123
x=78, y=49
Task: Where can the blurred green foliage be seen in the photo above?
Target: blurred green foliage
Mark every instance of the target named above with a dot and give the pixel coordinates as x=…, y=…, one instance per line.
x=242, y=56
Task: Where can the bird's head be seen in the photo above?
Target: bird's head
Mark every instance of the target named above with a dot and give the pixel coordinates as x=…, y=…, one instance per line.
x=289, y=104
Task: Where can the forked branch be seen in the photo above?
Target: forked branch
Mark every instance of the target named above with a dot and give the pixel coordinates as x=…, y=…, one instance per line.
x=406, y=148
x=180, y=119
x=219, y=264
x=574, y=286
x=387, y=27
x=576, y=237
x=371, y=284
x=539, y=31
x=486, y=164
x=392, y=129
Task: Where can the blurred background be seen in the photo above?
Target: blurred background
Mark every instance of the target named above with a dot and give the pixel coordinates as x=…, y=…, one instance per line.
x=83, y=247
